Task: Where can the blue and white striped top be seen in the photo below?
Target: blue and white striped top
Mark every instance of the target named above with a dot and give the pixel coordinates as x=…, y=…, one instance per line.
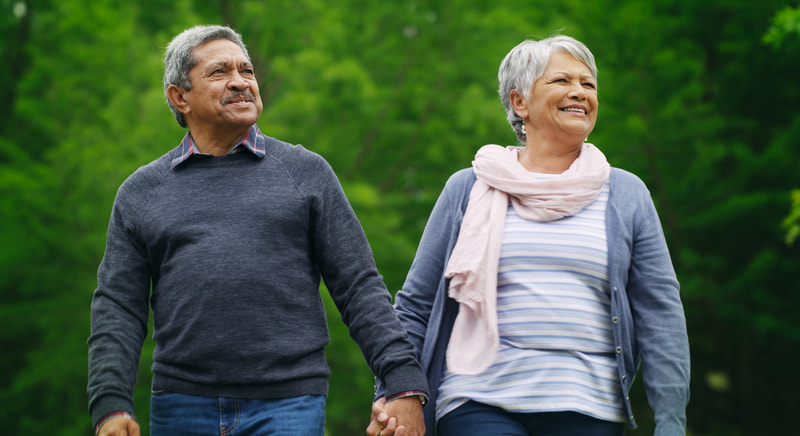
x=553, y=308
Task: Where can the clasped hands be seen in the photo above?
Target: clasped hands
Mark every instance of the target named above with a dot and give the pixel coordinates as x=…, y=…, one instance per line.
x=400, y=417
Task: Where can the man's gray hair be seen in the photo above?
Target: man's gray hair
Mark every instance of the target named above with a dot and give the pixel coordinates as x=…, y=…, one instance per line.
x=178, y=58
x=526, y=62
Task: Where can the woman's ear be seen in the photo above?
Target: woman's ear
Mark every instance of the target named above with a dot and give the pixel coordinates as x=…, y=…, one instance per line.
x=177, y=96
x=518, y=103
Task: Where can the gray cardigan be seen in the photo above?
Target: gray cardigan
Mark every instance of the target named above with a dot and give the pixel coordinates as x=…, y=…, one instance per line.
x=647, y=315
x=235, y=247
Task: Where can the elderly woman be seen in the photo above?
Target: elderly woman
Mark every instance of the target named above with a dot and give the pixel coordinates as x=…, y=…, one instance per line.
x=543, y=280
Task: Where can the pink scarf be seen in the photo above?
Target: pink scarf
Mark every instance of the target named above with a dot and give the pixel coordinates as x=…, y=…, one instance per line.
x=472, y=268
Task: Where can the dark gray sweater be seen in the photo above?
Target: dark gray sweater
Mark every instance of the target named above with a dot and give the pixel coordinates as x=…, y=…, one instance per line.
x=234, y=247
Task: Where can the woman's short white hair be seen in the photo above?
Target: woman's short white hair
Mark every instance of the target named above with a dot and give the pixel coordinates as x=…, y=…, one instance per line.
x=526, y=62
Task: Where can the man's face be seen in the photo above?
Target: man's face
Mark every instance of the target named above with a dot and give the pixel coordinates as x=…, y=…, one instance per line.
x=224, y=92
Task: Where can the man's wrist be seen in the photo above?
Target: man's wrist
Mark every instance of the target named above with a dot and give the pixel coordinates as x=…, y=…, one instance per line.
x=110, y=416
x=422, y=396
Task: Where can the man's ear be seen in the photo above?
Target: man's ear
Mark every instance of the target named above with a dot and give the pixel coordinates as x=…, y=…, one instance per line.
x=518, y=103
x=177, y=97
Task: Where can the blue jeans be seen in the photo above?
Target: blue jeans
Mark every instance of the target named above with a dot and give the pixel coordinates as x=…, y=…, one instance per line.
x=178, y=414
x=481, y=420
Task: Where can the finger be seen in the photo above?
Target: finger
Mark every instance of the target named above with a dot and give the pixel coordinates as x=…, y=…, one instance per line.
x=379, y=410
x=133, y=429
x=391, y=426
x=374, y=429
x=383, y=419
x=378, y=419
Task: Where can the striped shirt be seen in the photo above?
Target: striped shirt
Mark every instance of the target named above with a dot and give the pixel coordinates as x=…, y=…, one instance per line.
x=553, y=308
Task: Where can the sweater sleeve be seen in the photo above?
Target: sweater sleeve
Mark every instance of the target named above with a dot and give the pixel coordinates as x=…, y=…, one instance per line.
x=660, y=325
x=348, y=269
x=119, y=313
x=426, y=275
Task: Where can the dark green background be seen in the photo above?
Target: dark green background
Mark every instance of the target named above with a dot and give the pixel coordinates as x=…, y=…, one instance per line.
x=397, y=95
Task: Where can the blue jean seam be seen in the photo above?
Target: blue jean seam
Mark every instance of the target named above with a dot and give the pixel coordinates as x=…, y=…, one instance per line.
x=225, y=431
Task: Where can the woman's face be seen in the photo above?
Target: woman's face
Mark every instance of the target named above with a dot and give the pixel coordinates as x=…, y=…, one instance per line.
x=563, y=102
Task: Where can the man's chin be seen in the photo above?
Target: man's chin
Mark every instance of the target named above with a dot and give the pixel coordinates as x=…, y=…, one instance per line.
x=244, y=119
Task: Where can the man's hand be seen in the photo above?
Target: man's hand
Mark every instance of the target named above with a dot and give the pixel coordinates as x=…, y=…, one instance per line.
x=410, y=419
x=119, y=427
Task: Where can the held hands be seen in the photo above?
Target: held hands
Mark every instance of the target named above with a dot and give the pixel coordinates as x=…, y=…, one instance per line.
x=400, y=417
x=380, y=424
x=119, y=427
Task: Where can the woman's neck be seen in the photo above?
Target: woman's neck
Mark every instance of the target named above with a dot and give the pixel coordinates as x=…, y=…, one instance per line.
x=548, y=159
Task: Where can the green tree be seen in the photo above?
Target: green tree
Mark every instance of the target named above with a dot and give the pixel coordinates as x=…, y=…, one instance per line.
x=784, y=33
x=792, y=221
x=785, y=26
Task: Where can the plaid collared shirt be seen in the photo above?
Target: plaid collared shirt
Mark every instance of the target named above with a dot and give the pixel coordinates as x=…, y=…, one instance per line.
x=249, y=142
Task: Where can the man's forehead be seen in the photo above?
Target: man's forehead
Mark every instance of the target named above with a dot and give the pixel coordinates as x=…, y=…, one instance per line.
x=220, y=50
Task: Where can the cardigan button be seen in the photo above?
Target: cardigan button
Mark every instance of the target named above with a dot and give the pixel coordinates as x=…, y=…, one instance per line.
x=619, y=350
x=615, y=320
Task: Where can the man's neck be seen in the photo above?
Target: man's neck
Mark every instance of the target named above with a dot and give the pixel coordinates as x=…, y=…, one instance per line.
x=215, y=142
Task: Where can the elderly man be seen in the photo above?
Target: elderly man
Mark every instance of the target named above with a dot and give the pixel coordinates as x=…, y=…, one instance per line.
x=226, y=238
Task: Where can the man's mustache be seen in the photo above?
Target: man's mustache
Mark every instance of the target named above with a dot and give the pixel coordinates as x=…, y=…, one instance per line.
x=239, y=95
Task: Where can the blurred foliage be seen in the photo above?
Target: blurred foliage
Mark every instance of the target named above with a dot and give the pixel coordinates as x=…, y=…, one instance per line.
x=785, y=24
x=697, y=98
x=786, y=27
x=792, y=222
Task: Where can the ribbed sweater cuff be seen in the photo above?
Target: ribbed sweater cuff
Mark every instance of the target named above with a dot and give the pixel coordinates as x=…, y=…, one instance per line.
x=404, y=379
x=109, y=404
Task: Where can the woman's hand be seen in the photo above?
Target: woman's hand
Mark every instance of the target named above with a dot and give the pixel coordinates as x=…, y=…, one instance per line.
x=380, y=423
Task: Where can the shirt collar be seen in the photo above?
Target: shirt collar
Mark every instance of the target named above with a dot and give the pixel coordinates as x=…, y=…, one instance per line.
x=250, y=142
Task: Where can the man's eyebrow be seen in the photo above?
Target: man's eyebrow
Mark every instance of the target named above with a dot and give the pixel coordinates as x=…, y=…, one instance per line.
x=225, y=65
x=215, y=65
